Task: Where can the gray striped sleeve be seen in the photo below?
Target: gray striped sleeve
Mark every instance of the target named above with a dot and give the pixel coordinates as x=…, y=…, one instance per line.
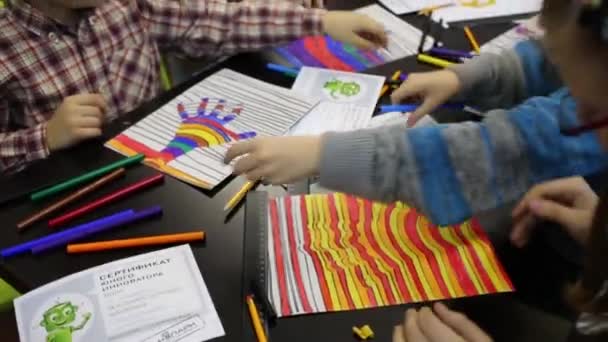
x=492, y=81
x=377, y=164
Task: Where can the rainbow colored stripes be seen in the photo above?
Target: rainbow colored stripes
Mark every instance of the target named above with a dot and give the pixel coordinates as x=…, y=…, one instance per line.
x=335, y=252
x=324, y=52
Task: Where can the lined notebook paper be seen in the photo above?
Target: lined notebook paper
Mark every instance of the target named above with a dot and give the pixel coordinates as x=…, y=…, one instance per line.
x=189, y=136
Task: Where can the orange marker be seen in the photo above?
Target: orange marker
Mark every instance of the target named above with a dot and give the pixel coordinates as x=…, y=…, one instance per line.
x=136, y=242
x=472, y=40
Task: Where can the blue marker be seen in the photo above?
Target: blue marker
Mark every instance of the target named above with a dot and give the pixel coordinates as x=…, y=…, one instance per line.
x=283, y=69
x=25, y=247
x=404, y=108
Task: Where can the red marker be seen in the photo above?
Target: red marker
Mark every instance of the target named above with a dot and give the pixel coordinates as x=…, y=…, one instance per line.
x=113, y=197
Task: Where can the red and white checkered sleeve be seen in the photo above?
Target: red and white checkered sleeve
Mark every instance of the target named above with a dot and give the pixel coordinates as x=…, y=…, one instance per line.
x=20, y=147
x=212, y=27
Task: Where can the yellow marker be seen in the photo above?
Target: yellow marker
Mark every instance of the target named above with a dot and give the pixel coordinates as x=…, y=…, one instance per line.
x=239, y=195
x=431, y=9
x=384, y=90
x=472, y=40
x=396, y=75
x=255, y=320
x=438, y=62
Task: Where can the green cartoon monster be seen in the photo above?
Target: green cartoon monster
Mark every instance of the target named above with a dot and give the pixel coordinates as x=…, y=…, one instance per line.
x=57, y=320
x=347, y=89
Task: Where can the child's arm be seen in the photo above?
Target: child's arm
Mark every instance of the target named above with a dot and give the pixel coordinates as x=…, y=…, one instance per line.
x=213, y=27
x=502, y=81
x=453, y=171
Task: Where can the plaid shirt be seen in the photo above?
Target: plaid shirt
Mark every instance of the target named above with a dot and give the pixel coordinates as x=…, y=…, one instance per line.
x=114, y=51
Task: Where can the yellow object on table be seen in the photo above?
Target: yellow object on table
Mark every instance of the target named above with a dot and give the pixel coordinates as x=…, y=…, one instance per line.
x=364, y=333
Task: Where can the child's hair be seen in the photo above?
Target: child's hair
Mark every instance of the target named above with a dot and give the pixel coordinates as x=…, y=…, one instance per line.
x=590, y=20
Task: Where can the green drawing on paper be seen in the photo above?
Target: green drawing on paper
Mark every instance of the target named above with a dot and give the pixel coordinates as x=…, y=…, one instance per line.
x=338, y=88
x=58, y=319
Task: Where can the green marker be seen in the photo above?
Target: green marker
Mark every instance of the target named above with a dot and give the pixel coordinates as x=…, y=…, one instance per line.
x=37, y=196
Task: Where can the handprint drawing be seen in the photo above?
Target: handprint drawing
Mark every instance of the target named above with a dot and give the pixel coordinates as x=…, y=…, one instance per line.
x=202, y=125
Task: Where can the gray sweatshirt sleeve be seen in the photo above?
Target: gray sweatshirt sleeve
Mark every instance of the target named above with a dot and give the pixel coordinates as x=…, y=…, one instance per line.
x=492, y=81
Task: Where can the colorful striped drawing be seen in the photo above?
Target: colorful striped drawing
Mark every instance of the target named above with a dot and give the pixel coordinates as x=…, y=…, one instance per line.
x=335, y=252
x=324, y=52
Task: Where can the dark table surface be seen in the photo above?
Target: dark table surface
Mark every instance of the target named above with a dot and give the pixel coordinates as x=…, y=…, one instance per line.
x=187, y=208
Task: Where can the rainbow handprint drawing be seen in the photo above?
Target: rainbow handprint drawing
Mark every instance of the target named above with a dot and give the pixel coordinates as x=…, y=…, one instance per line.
x=189, y=136
x=203, y=124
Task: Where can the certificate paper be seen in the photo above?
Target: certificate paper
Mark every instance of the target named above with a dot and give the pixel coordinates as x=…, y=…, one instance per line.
x=347, y=100
x=158, y=296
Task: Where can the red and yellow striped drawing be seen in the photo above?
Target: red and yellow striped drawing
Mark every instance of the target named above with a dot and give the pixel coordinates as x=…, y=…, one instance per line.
x=335, y=252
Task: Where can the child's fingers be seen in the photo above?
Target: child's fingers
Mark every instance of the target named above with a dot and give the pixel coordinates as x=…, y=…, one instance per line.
x=92, y=111
x=245, y=165
x=362, y=43
x=427, y=106
x=239, y=149
x=407, y=90
x=520, y=208
x=398, y=334
x=372, y=31
x=87, y=133
x=412, y=330
x=95, y=100
x=522, y=230
x=89, y=122
x=461, y=324
x=554, y=212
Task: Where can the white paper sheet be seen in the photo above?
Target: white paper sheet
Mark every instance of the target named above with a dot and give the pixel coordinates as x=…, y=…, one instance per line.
x=347, y=100
x=485, y=9
x=150, y=297
x=526, y=29
x=403, y=38
x=409, y=6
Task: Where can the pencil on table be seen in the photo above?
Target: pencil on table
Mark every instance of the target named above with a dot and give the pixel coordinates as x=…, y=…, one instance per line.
x=136, y=242
x=236, y=199
x=255, y=320
x=472, y=40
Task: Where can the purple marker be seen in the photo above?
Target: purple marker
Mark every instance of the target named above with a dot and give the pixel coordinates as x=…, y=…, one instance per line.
x=443, y=52
x=102, y=227
x=27, y=246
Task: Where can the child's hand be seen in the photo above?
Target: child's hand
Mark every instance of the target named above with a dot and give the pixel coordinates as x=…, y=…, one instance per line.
x=438, y=325
x=432, y=88
x=355, y=29
x=79, y=117
x=569, y=202
x=276, y=160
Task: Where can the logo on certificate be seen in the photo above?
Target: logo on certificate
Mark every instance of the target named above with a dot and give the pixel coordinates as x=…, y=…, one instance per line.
x=342, y=89
x=64, y=318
